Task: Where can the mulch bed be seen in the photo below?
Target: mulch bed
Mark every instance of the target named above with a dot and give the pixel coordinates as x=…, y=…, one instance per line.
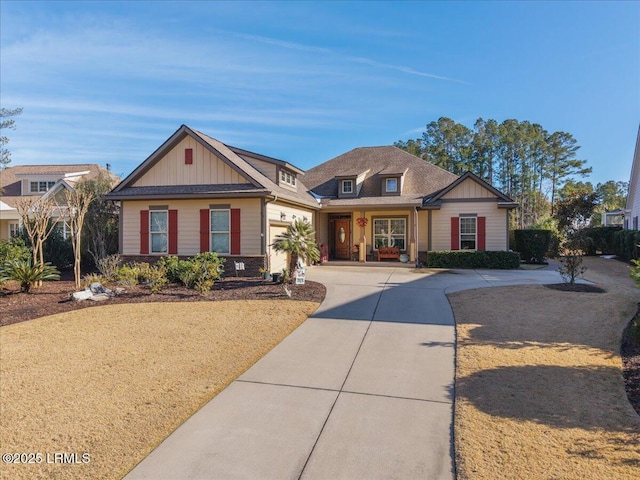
x=53, y=297
x=576, y=287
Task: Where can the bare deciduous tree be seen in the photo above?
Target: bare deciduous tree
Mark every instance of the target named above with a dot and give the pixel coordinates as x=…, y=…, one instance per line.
x=37, y=216
x=77, y=203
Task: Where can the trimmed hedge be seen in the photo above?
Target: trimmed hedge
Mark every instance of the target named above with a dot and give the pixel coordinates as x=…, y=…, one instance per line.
x=625, y=244
x=601, y=239
x=472, y=259
x=533, y=245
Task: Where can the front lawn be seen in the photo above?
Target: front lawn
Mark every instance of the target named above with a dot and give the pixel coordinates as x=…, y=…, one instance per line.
x=113, y=381
x=539, y=385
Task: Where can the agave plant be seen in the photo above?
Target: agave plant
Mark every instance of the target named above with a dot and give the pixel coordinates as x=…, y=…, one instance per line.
x=27, y=274
x=299, y=242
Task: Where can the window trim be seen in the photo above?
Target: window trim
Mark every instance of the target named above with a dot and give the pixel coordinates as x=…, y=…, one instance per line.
x=212, y=232
x=386, y=185
x=344, y=183
x=152, y=233
x=287, y=178
x=388, y=235
x=40, y=184
x=14, y=226
x=467, y=235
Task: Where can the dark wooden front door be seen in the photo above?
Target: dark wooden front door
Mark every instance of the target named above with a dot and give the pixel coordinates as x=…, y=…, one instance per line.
x=342, y=239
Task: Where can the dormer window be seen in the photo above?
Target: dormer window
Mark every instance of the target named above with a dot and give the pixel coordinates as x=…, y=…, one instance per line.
x=40, y=187
x=347, y=186
x=287, y=178
x=392, y=185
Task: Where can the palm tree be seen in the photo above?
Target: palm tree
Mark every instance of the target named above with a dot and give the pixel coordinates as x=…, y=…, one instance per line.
x=299, y=242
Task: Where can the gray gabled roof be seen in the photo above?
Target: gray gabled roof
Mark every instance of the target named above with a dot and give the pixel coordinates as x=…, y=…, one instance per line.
x=421, y=178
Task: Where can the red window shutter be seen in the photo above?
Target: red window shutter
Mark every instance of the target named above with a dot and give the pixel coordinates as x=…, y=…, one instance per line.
x=455, y=233
x=482, y=233
x=204, y=230
x=173, y=232
x=144, y=232
x=235, y=231
x=188, y=156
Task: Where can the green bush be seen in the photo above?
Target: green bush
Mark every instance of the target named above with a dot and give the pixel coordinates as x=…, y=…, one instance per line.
x=174, y=267
x=625, y=244
x=472, y=259
x=201, y=271
x=600, y=239
x=27, y=274
x=156, y=278
x=533, y=245
x=14, y=249
x=128, y=275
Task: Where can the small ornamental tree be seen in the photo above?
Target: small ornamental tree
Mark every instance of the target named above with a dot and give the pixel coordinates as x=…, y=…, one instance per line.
x=571, y=263
x=299, y=242
x=77, y=203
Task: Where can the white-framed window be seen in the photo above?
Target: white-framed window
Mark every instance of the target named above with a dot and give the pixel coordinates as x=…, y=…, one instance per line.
x=347, y=186
x=390, y=232
x=220, y=230
x=159, y=231
x=40, y=187
x=468, y=233
x=391, y=185
x=14, y=230
x=288, y=178
x=64, y=229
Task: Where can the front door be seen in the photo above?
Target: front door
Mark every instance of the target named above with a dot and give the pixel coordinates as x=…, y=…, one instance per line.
x=342, y=239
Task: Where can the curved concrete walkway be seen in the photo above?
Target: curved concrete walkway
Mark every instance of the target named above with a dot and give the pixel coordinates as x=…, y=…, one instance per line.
x=362, y=389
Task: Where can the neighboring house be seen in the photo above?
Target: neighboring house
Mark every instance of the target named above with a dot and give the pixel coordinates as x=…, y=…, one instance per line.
x=614, y=218
x=632, y=210
x=196, y=194
x=39, y=181
x=385, y=197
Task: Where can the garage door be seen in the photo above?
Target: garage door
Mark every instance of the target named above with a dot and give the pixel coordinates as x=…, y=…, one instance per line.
x=278, y=260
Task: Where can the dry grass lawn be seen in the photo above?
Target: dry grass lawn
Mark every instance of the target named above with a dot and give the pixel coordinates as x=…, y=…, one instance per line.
x=114, y=381
x=539, y=387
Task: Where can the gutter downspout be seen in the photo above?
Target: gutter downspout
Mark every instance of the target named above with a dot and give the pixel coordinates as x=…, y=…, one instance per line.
x=415, y=226
x=265, y=225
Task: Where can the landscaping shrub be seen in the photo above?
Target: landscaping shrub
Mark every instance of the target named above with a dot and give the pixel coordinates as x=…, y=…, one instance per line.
x=156, y=278
x=174, y=267
x=601, y=239
x=93, y=278
x=625, y=244
x=14, y=249
x=472, y=259
x=128, y=275
x=108, y=266
x=571, y=267
x=27, y=274
x=201, y=271
x=533, y=245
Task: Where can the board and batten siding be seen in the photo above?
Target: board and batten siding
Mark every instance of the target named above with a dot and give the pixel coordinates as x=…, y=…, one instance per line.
x=496, y=223
x=469, y=189
x=205, y=169
x=189, y=223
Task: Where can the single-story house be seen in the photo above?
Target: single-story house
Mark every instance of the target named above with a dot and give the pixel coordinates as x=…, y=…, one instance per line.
x=196, y=194
x=40, y=181
x=632, y=209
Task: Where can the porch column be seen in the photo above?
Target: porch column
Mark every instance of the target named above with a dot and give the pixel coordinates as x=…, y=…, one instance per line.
x=362, y=244
x=413, y=242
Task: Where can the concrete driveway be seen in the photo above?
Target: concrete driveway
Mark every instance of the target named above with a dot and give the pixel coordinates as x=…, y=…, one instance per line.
x=362, y=389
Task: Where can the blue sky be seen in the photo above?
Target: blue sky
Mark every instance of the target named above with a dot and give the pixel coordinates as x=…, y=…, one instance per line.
x=108, y=82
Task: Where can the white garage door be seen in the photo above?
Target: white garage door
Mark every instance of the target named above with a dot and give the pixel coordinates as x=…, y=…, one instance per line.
x=278, y=260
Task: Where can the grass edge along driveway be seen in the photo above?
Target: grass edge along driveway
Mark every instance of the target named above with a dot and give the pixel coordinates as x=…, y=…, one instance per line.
x=114, y=381
x=539, y=387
